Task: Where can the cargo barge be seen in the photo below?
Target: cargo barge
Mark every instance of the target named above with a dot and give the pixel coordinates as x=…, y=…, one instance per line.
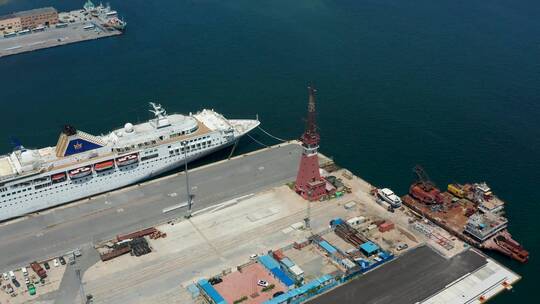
x=471, y=212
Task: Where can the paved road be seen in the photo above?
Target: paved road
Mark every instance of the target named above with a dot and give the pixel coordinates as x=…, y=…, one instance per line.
x=409, y=279
x=57, y=231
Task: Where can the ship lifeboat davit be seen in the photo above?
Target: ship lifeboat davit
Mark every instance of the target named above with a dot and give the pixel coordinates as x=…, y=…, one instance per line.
x=127, y=160
x=106, y=165
x=80, y=172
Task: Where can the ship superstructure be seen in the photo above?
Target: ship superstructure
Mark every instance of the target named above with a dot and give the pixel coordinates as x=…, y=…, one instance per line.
x=82, y=165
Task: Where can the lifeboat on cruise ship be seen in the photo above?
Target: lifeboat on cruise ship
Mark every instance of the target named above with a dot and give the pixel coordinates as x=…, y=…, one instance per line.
x=106, y=165
x=127, y=160
x=58, y=177
x=80, y=172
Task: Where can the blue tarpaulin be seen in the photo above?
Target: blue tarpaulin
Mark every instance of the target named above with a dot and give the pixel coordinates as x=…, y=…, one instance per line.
x=211, y=292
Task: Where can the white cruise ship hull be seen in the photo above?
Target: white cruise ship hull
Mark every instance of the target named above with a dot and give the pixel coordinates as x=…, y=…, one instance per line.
x=150, y=162
x=103, y=182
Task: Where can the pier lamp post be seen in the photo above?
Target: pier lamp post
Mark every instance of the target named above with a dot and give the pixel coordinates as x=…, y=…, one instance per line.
x=189, y=197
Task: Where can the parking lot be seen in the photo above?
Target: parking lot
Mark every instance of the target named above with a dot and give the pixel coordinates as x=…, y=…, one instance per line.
x=21, y=294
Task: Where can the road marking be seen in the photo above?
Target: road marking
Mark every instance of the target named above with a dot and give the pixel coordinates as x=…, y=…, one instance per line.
x=174, y=207
x=13, y=48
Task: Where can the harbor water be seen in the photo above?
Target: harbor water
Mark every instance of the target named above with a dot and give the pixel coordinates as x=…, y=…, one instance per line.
x=451, y=85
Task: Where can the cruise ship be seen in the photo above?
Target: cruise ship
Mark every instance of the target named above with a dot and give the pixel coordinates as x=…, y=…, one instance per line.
x=82, y=165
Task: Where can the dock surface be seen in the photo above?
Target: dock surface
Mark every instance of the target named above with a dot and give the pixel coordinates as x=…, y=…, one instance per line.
x=77, y=26
x=87, y=222
x=51, y=38
x=410, y=279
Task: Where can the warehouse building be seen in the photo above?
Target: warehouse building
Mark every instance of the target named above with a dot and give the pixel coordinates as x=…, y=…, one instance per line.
x=40, y=16
x=10, y=24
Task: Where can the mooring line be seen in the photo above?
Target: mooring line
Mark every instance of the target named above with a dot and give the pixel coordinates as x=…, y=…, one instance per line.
x=274, y=137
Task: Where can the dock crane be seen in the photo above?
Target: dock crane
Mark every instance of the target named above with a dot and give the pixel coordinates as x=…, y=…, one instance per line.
x=424, y=189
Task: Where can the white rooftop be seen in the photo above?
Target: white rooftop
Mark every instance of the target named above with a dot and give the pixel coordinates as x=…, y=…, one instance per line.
x=477, y=287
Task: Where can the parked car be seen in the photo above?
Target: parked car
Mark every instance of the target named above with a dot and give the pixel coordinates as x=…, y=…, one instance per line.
x=262, y=283
x=31, y=289
x=16, y=283
x=62, y=260
x=253, y=256
x=24, y=271
x=55, y=263
x=277, y=294
x=77, y=252
x=46, y=265
x=11, y=274
x=402, y=247
x=26, y=280
x=5, y=276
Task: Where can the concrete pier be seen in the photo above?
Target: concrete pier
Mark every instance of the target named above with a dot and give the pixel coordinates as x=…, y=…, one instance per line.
x=243, y=207
x=77, y=27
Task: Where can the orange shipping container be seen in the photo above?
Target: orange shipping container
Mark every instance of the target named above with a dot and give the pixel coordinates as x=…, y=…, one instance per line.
x=386, y=226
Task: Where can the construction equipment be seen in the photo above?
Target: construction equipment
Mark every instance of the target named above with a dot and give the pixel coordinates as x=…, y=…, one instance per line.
x=424, y=189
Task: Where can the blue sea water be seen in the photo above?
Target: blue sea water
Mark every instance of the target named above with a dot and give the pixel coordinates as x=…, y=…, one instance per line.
x=453, y=85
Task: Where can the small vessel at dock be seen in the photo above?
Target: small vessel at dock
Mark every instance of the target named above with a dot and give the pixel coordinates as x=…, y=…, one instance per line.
x=388, y=196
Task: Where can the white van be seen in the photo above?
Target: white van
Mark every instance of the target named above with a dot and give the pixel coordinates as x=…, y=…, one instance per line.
x=11, y=274
x=24, y=271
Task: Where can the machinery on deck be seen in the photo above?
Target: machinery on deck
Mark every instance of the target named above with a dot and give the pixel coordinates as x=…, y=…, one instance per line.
x=424, y=189
x=470, y=212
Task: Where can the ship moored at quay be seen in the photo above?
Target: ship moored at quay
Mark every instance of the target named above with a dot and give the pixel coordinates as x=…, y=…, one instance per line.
x=82, y=165
x=471, y=212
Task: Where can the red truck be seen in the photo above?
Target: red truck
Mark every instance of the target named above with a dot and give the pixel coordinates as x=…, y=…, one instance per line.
x=38, y=270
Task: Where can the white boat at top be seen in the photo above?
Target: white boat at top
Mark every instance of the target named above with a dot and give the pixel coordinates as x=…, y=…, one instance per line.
x=82, y=165
x=388, y=196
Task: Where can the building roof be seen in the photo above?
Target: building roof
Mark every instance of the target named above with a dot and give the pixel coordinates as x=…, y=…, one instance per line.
x=282, y=276
x=268, y=262
x=287, y=262
x=35, y=11
x=211, y=292
x=300, y=290
x=329, y=248
x=369, y=247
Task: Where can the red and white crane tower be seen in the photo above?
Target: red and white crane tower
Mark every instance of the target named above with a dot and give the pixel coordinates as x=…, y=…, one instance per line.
x=309, y=183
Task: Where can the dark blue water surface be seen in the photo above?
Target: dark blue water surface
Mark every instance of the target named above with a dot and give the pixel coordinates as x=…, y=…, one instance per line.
x=452, y=84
